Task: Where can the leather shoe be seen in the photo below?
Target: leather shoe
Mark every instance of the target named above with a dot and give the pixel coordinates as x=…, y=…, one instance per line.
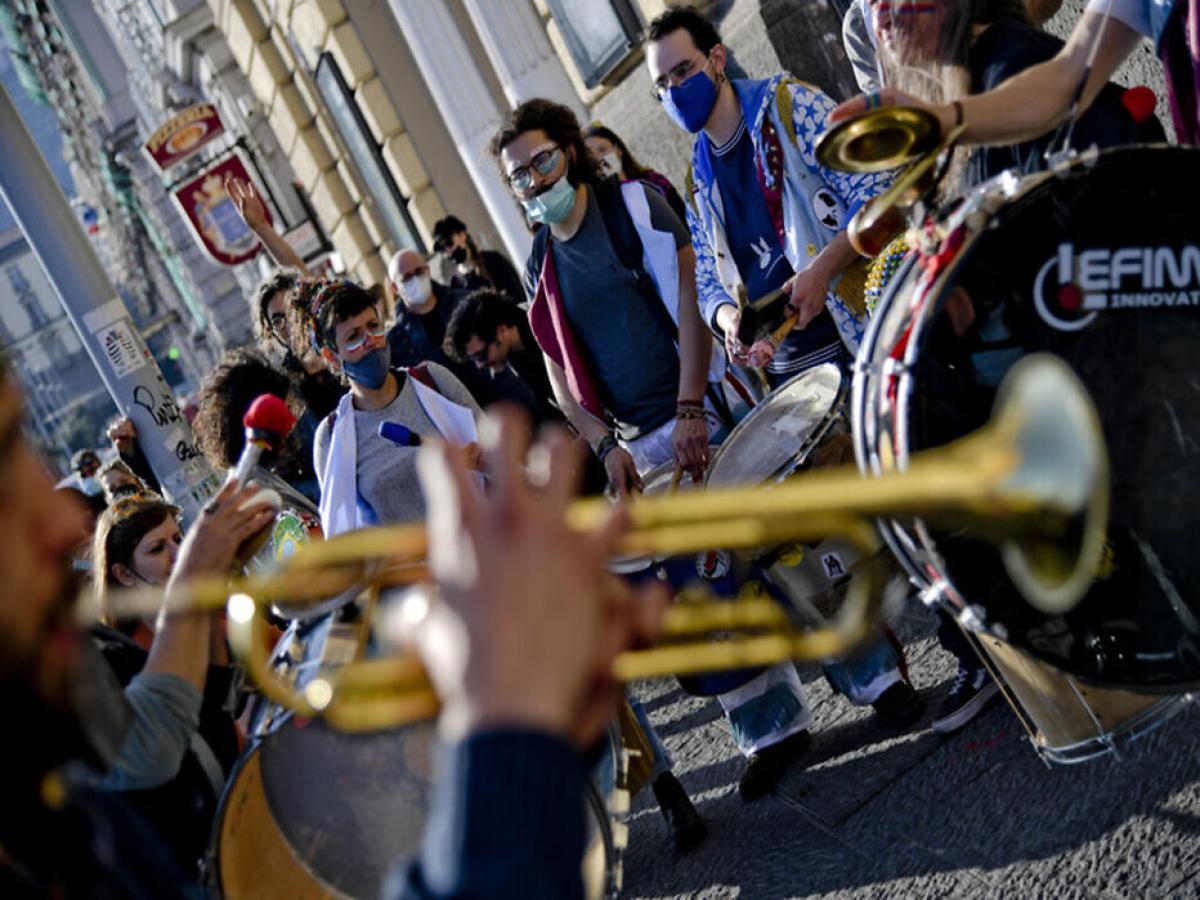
x=687, y=828
x=767, y=766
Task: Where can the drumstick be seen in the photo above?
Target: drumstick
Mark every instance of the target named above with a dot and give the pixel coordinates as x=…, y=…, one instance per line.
x=676, y=477
x=784, y=329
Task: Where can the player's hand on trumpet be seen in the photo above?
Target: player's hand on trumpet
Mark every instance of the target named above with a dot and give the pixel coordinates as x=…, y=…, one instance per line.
x=526, y=619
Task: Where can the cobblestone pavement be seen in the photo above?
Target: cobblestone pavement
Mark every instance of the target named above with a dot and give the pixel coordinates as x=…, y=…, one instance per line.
x=873, y=813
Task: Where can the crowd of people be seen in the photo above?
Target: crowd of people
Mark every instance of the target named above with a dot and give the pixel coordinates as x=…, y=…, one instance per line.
x=622, y=332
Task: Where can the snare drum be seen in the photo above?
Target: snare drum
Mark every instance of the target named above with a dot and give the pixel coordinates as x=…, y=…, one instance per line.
x=1100, y=264
x=798, y=426
x=312, y=812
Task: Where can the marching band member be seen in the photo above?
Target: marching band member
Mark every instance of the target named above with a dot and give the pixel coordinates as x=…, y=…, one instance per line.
x=1043, y=96
x=612, y=300
x=763, y=215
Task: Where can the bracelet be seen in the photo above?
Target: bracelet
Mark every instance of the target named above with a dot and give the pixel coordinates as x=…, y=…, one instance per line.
x=686, y=412
x=607, y=444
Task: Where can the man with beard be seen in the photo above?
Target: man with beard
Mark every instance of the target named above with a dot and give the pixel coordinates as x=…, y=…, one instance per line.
x=57, y=836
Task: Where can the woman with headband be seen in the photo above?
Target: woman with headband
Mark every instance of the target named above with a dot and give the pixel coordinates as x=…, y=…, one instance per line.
x=367, y=478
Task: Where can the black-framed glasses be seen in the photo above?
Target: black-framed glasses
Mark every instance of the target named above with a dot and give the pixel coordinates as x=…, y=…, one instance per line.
x=680, y=73
x=480, y=357
x=543, y=162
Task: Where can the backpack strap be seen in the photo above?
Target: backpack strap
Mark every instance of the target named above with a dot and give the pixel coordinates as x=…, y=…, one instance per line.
x=421, y=373
x=537, y=255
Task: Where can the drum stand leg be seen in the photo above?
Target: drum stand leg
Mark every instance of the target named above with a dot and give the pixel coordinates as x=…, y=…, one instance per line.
x=1014, y=704
x=1105, y=738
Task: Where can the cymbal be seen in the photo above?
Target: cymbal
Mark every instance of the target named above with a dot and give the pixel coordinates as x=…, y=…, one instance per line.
x=879, y=140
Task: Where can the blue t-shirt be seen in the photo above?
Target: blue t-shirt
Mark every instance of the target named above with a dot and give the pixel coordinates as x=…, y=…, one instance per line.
x=759, y=254
x=624, y=331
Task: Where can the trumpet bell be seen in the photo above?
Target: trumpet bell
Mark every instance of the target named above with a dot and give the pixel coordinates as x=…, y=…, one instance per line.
x=879, y=140
x=1054, y=429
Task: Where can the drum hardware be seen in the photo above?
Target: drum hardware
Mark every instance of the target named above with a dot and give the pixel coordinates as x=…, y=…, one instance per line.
x=1034, y=481
x=1068, y=722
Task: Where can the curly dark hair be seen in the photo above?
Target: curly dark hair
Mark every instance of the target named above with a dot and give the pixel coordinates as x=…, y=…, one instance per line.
x=319, y=305
x=225, y=395
x=480, y=313
x=560, y=126
x=704, y=33
x=283, y=279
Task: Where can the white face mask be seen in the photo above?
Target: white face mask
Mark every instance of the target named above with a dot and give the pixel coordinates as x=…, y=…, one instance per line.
x=610, y=164
x=415, y=291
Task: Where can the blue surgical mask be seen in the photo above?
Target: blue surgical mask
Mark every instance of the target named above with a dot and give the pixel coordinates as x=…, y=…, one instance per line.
x=553, y=205
x=372, y=370
x=691, y=103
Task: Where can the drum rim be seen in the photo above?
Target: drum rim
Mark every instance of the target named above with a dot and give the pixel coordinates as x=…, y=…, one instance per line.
x=926, y=566
x=744, y=425
x=1127, y=732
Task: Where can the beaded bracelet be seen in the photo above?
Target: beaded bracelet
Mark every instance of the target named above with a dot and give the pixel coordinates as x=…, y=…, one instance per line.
x=607, y=444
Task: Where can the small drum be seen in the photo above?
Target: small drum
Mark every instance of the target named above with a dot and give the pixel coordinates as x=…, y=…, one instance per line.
x=1070, y=721
x=798, y=426
x=1098, y=263
x=312, y=812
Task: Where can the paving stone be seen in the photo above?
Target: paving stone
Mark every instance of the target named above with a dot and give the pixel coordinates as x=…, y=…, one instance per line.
x=879, y=814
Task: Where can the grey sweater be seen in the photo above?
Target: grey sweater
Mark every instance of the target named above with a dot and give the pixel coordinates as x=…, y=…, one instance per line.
x=387, y=474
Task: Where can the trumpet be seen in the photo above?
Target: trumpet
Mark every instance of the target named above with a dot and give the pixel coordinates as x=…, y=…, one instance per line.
x=1034, y=481
x=876, y=142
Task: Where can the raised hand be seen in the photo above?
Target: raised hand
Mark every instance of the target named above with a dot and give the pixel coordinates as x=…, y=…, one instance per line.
x=249, y=205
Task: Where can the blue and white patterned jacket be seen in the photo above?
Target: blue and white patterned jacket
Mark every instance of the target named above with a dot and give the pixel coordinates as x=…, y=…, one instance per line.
x=816, y=202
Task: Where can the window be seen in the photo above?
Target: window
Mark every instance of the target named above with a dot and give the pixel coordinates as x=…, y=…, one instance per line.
x=33, y=309
x=16, y=279
x=599, y=34
x=366, y=153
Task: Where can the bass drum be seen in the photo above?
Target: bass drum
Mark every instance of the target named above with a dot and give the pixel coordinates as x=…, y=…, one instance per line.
x=1099, y=264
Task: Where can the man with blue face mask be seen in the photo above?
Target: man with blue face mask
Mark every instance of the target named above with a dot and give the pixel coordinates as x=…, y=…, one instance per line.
x=764, y=216
x=365, y=478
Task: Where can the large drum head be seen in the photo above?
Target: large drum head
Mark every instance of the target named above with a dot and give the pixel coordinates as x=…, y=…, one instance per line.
x=330, y=813
x=1101, y=267
x=776, y=434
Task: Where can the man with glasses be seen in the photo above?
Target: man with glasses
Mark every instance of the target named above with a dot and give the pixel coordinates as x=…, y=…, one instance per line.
x=366, y=477
x=612, y=300
x=764, y=216
x=490, y=332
